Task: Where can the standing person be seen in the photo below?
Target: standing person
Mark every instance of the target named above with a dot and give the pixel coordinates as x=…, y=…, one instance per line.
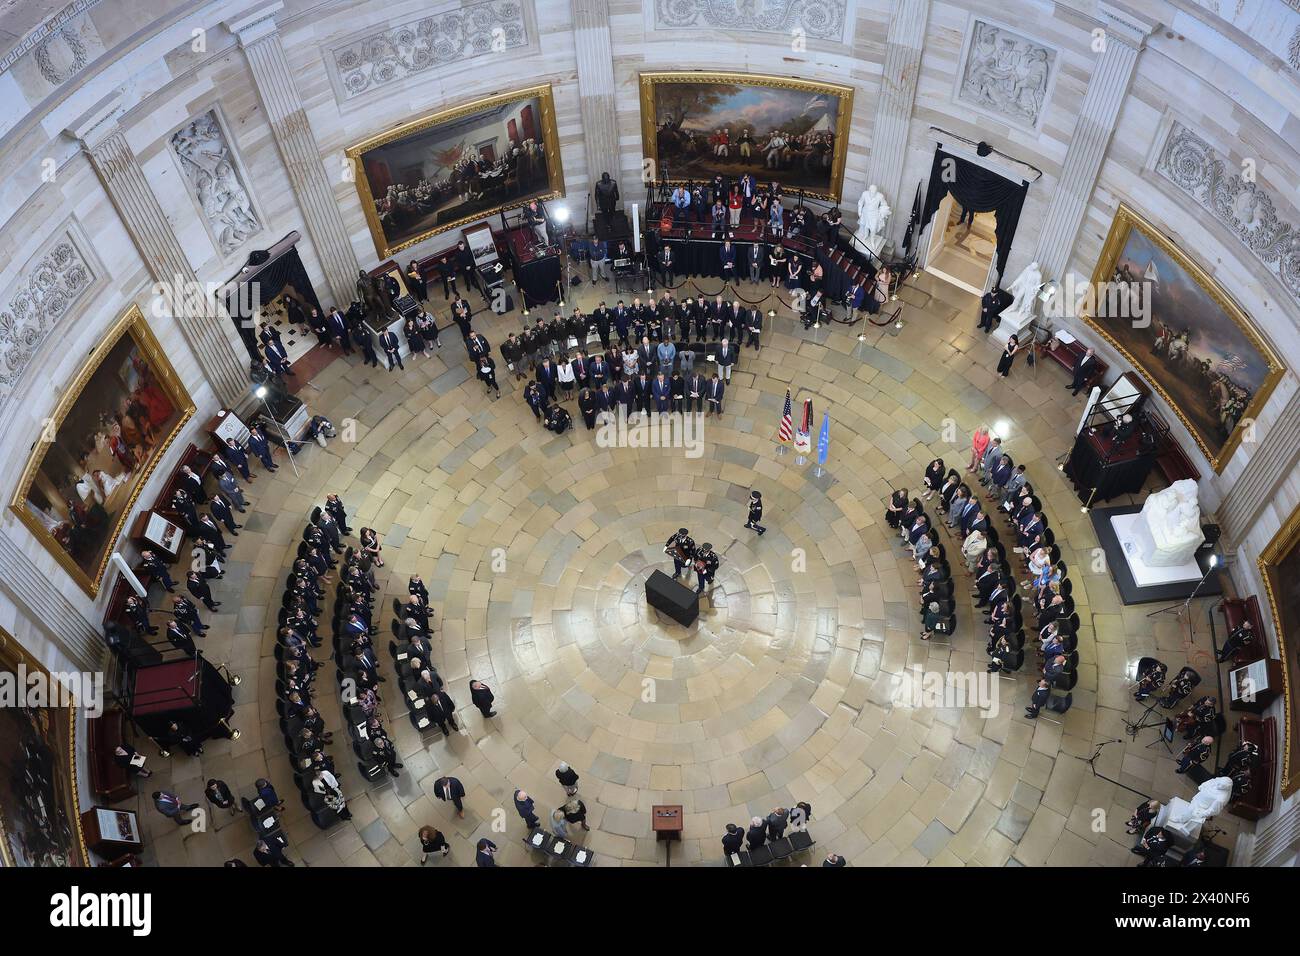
x=979, y=443
x=568, y=778
x=432, y=841
x=392, y=349
x=1039, y=699
x=706, y=566
x=270, y=853
x=726, y=358
x=124, y=755
x=1008, y=356
x=219, y=795
x=559, y=825
x=172, y=807
x=487, y=373
x=756, y=262
x=755, y=513
x=524, y=806
x=234, y=494
x=716, y=390
x=481, y=697
x=449, y=788
x=260, y=447
x=575, y=811
x=200, y=589
x=755, y=329
x=485, y=853
x=599, y=257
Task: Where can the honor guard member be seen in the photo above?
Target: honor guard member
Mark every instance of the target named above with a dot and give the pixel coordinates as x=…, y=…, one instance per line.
x=706, y=566
x=755, y=513
x=682, y=550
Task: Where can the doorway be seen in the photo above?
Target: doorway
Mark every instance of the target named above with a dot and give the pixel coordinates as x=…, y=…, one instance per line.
x=963, y=250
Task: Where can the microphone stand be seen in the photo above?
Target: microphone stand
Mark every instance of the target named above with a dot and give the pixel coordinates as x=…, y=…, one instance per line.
x=1092, y=764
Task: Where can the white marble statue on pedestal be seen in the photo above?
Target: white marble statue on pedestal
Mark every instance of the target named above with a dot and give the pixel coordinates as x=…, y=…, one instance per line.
x=873, y=213
x=1171, y=525
x=1024, y=289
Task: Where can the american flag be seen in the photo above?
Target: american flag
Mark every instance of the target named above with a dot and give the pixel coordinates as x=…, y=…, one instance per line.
x=1232, y=362
x=786, y=430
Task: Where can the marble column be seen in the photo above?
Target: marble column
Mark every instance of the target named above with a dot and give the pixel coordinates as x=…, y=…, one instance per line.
x=259, y=36
x=1122, y=39
x=893, y=123
x=1273, y=459
x=591, y=42
x=42, y=599
x=208, y=330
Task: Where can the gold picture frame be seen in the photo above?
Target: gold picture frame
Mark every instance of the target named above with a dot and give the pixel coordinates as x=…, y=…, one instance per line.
x=61, y=720
x=163, y=387
x=386, y=245
x=1245, y=344
x=651, y=82
x=1278, y=561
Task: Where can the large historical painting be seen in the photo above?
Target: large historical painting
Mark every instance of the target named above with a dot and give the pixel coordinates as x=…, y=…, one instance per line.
x=1279, y=566
x=40, y=823
x=695, y=126
x=453, y=167
x=98, y=448
x=1183, y=333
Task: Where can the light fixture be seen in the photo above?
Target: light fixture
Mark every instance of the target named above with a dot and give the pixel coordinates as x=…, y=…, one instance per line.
x=260, y=391
x=898, y=324
x=1214, y=561
x=561, y=212
x=862, y=336
x=1083, y=510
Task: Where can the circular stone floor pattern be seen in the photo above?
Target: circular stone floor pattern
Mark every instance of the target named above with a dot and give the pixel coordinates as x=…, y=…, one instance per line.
x=535, y=549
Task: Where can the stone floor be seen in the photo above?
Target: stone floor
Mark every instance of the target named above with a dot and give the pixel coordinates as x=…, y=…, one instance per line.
x=534, y=548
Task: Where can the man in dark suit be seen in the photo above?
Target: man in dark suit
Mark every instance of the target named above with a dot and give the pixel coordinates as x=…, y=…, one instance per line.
x=622, y=321
x=625, y=396
x=184, y=611
x=727, y=261
x=713, y=395
x=481, y=696
x=220, y=509
x=644, y=392
x=726, y=358
x=1039, y=699
x=338, y=330
x=449, y=788
x=525, y=807
x=184, y=506
x=754, y=326
x=661, y=390
x=667, y=265
x=366, y=342
x=695, y=387
x=547, y=376
x=1083, y=370
x=278, y=359
x=237, y=457
x=180, y=638
x=198, y=587
x=260, y=447
x=535, y=396
x=192, y=484
x=392, y=349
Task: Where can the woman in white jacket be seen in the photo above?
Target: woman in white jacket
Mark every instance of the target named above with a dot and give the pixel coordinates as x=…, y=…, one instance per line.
x=564, y=375
x=327, y=785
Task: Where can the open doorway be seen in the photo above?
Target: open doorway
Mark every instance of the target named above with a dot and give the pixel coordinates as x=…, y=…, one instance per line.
x=962, y=251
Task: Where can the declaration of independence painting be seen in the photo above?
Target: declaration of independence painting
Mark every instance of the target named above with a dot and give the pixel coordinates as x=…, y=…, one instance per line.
x=40, y=822
x=1184, y=334
x=458, y=165
x=98, y=448
x=695, y=126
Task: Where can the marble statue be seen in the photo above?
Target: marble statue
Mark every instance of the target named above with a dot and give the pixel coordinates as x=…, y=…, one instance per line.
x=1171, y=525
x=1025, y=287
x=873, y=213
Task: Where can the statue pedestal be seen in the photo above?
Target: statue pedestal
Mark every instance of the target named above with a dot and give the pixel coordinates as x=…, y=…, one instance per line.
x=1169, y=532
x=1011, y=324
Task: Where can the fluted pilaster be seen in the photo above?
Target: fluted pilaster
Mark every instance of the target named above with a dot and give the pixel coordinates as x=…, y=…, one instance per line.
x=1121, y=41
x=889, y=135
x=33, y=591
x=1273, y=459
x=596, y=85
x=259, y=36
x=207, y=329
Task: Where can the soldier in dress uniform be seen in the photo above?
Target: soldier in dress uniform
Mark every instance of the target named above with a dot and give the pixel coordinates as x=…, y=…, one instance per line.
x=706, y=566
x=682, y=550
x=755, y=513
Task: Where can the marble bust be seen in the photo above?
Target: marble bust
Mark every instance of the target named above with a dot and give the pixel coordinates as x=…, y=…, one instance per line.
x=1171, y=522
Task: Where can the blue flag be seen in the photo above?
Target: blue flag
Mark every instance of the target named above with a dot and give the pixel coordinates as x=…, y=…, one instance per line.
x=824, y=439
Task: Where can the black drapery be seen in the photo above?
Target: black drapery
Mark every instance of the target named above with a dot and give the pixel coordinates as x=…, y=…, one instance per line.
x=262, y=284
x=978, y=190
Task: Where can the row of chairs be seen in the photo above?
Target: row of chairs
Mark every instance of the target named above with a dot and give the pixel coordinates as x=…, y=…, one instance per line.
x=357, y=672
x=304, y=761
x=798, y=841
x=418, y=703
